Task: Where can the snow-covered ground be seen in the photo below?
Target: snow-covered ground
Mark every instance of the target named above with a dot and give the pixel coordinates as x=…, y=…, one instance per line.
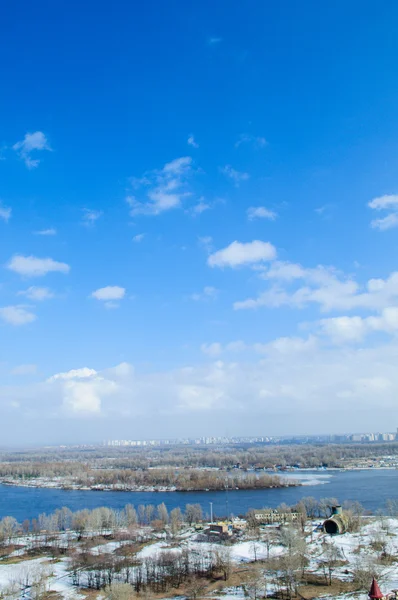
x=376, y=533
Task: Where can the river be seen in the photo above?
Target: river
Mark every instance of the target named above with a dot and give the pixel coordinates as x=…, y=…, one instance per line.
x=372, y=488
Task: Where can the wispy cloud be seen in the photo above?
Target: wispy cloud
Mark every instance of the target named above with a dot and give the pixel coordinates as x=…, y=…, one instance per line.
x=49, y=232
x=5, y=213
x=16, y=315
x=256, y=141
x=214, y=349
x=206, y=242
x=200, y=207
x=236, y=176
x=37, y=294
x=138, y=238
x=31, y=266
x=260, y=212
x=166, y=188
x=213, y=40
x=90, y=217
x=32, y=142
x=208, y=293
x=191, y=142
x=388, y=203
x=24, y=370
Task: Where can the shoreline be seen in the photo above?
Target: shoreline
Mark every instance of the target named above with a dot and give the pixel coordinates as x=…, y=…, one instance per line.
x=159, y=489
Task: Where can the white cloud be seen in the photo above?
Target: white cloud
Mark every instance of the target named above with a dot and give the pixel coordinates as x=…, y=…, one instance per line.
x=90, y=217
x=32, y=142
x=16, y=315
x=31, y=266
x=37, y=294
x=109, y=293
x=236, y=176
x=83, y=390
x=24, y=370
x=200, y=207
x=385, y=223
x=354, y=329
x=238, y=254
x=324, y=286
x=208, y=293
x=260, y=212
x=284, y=385
x=5, y=213
x=49, y=232
x=256, y=141
x=214, y=349
x=166, y=189
x=386, y=203
x=83, y=373
x=344, y=329
x=191, y=142
x=139, y=237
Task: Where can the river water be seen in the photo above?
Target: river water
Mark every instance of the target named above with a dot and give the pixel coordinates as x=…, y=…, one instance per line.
x=372, y=488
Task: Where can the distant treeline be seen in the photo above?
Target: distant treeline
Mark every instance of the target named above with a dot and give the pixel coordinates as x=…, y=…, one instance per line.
x=77, y=474
x=223, y=457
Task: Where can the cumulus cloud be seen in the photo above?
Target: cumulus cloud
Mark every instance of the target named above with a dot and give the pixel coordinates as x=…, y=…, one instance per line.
x=239, y=254
x=388, y=203
x=5, y=213
x=290, y=377
x=37, y=294
x=260, y=212
x=295, y=286
x=110, y=295
x=384, y=202
x=354, y=329
x=82, y=390
x=31, y=266
x=32, y=142
x=236, y=176
x=165, y=189
x=16, y=315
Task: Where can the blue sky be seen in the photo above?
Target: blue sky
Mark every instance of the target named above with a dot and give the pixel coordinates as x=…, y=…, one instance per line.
x=198, y=219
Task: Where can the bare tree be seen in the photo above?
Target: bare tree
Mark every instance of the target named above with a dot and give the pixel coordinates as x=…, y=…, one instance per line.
x=255, y=586
x=331, y=555
x=363, y=571
x=162, y=513
x=175, y=520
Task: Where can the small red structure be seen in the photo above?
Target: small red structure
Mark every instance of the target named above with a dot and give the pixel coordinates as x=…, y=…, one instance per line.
x=375, y=592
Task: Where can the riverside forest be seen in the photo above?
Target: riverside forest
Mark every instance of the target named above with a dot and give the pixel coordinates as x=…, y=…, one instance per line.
x=183, y=469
